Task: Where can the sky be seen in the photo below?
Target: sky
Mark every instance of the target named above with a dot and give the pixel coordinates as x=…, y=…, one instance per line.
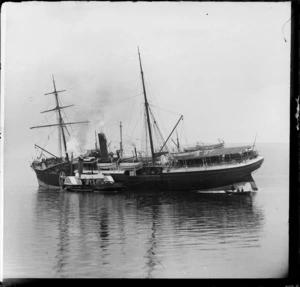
x=224, y=66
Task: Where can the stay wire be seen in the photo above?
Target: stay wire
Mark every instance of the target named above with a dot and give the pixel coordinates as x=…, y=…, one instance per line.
x=132, y=107
x=152, y=93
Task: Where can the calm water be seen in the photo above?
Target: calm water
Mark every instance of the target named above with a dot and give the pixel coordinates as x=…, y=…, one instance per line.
x=150, y=235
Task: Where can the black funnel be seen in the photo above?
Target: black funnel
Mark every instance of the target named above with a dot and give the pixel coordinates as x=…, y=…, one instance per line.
x=103, y=145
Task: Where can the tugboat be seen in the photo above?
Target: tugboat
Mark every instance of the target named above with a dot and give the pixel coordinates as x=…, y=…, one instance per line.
x=89, y=178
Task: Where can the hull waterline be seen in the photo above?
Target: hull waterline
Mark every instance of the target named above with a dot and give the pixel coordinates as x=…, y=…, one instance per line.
x=191, y=180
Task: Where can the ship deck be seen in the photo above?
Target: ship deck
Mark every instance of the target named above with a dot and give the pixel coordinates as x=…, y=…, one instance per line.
x=213, y=167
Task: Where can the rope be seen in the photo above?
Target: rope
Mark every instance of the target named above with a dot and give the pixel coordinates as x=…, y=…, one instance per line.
x=152, y=94
x=165, y=110
x=161, y=138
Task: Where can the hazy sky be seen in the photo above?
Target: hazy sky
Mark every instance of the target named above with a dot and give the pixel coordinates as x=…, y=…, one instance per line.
x=223, y=66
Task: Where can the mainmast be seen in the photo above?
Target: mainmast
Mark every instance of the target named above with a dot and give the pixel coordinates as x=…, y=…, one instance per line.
x=147, y=111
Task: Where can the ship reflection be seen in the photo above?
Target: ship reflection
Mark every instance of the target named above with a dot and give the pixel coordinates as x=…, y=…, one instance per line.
x=97, y=233
x=49, y=205
x=151, y=258
x=216, y=210
x=203, y=216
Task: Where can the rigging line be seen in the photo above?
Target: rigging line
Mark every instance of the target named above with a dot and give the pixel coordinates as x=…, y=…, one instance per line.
x=144, y=130
x=49, y=103
x=147, y=136
x=138, y=95
x=158, y=112
x=67, y=97
x=158, y=129
x=64, y=116
x=153, y=93
x=49, y=136
x=160, y=137
x=162, y=121
x=48, y=117
x=135, y=125
x=165, y=110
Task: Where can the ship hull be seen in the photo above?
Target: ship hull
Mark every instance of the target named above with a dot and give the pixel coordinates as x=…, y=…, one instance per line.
x=52, y=178
x=191, y=179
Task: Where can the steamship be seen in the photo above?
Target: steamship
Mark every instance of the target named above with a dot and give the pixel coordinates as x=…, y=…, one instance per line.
x=212, y=168
x=51, y=169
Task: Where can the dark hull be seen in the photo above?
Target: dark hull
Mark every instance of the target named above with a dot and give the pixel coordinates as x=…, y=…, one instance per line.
x=97, y=188
x=190, y=180
x=50, y=178
x=78, y=188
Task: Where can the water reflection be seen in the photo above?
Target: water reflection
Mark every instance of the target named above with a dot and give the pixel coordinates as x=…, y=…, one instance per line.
x=151, y=261
x=53, y=214
x=131, y=234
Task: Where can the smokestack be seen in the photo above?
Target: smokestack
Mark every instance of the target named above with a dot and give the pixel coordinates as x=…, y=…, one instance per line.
x=103, y=145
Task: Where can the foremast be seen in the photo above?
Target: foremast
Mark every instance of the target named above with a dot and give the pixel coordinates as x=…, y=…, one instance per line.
x=61, y=122
x=147, y=111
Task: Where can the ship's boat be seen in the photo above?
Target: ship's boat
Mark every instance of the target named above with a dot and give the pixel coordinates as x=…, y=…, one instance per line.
x=130, y=165
x=107, y=165
x=186, y=155
x=205, y=147
x=238, y=192
x=210, y=167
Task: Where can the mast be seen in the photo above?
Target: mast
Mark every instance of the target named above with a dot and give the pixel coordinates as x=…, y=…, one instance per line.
x=60, y=123
x=121, y=143
x=147, y=110
x=60, y=120
x=59, y=137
